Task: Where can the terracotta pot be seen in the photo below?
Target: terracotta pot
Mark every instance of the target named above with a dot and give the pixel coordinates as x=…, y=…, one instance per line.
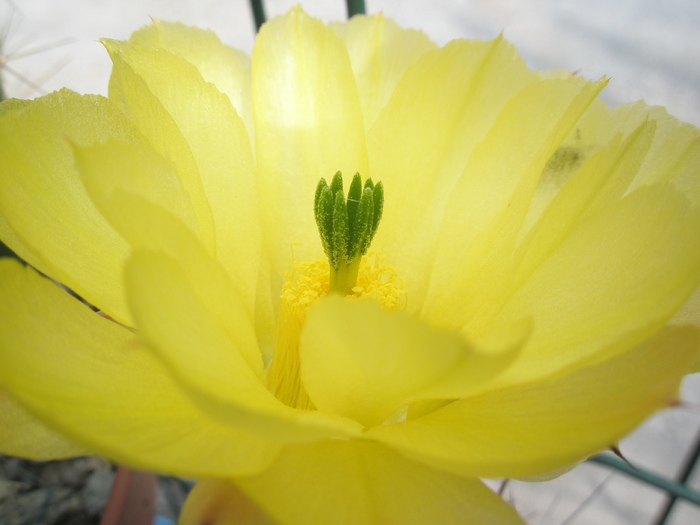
x=132, y=500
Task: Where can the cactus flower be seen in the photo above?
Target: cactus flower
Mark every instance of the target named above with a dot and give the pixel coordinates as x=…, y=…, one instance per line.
x=245, y=318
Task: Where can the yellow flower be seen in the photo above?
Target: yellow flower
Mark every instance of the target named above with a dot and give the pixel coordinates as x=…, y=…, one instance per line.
x=515, y=316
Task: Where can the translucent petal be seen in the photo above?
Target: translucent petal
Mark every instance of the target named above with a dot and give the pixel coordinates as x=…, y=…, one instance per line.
x=340, y=482
x=308, y=124
x=91, y=379
x=113, y=168
x=672, y=155
x=198, y=314
x=190, y=122
x=674, y=152
x=22, y=435
x=489, y=202
x=617, y=277
x=227, y=68
x=604, y=178
x=197, y=324
x=366, y=363
x=538, y=427
x=442, y=106
x=380, y=52
x=46, y=216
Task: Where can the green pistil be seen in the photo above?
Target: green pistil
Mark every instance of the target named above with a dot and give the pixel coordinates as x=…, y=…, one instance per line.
x=347, y=226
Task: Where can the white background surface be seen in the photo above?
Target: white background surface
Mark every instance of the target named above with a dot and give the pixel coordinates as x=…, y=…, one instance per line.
x=649, y=48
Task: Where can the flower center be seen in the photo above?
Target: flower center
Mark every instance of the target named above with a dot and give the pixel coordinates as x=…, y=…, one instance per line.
x=346, y=228
x=309, y=282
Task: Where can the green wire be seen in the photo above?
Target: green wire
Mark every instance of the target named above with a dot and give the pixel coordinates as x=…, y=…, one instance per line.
x=258, y=13
x=355, y=7
x=678, y=490
x=683, y=478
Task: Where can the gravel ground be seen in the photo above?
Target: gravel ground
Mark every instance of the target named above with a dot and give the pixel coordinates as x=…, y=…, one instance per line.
x=69, y=492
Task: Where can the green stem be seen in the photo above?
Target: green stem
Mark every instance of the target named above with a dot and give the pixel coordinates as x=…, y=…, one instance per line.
x=258, y=13
x=355, y=7
x=345, y=278
x=676, y=489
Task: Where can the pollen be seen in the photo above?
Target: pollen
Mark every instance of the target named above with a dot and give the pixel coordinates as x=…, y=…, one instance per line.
x=376, y=280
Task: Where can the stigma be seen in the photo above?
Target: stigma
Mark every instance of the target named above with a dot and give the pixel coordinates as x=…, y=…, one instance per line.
x=347, y=226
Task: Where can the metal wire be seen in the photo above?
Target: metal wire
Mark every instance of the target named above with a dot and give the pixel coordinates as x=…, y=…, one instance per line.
x=258, y=13
x=678, y=490
x=355, y=7
x=684, y=477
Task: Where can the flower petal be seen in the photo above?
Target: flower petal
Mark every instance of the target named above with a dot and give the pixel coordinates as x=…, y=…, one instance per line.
x=227, y=68
x=191, y=314
x=46, y=216
x=114, y=168
x=614, y=280
x=380, y=52
x=308, y=124
x=189, y=121
x=338, y=482
x=489, y=202
x=21, y=434
x=442, y=106
x=690, y=311
x=216, y=339
x=603, y=179
x=539, y=427
x=93, y=381
x=219, y=502
x=366, y=363
x=674, y=153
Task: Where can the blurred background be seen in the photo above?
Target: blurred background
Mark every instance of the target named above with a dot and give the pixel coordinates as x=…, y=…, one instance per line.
x=650, y=50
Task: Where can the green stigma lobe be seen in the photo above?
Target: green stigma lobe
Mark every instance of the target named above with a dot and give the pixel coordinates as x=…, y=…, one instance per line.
x=347, y=226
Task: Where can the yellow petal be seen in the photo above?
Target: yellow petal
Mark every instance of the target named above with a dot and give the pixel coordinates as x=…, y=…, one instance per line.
x=111, y=168
x=197, y=314
x=196, y=322
x=690, y=314
x=209, y=300
x=674, y=153
x=538, y=427
x=308, y=125
x=614, y=280
x=340, y=482
x=442, y=106
x=90, y=379
x=366, y=363
x=21, y=434
x=489, y=202
x=227, y=68
x=219, y=502
x=690, y=311
x=604, y=178
x=46, y=216
x=380, y=52
x=189, y=121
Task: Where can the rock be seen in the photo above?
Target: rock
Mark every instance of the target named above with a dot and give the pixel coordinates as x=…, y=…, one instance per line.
x=96, y=491
x=69, y=492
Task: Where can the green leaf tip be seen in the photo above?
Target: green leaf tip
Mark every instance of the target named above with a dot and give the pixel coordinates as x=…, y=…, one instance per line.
x=347, y=225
